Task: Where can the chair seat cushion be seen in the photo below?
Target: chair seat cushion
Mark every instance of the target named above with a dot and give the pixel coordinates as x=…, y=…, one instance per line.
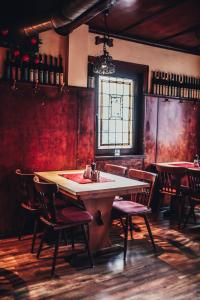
x=129, y=207
x=73, y=215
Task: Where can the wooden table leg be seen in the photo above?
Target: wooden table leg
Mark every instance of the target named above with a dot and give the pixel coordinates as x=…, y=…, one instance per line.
x=100, y=226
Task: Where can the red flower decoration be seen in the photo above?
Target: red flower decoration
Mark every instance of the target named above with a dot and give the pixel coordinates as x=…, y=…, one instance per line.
x=34, y=41
x=4, y=32
x=16, y=53
x=26, y=57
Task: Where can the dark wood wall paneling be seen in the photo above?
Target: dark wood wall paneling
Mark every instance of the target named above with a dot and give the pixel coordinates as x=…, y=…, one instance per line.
x=46, y=131
x=171, y=130
x=49, y=131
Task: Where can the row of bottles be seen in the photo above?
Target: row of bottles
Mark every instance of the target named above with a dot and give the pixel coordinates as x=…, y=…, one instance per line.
x=42, y=69
x=174, y=85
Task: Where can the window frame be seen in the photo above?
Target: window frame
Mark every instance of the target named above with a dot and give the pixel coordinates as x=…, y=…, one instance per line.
x=138, y=73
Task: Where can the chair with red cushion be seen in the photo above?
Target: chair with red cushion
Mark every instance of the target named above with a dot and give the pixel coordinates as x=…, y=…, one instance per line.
x=169, y=180
x=141, y=206
x=194, y=193
x=29, y=205
x=60, y=220
x=116, y=170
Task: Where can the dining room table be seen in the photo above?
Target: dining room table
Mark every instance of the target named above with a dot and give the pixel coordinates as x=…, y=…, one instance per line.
x=97, y=198
x=183, y=164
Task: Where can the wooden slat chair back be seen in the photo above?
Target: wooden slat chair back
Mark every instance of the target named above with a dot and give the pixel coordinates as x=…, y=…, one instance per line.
x=29, y=204
x=146, y=196
x=26, y=190
x=170, y=179
x=47, y=193
x=194, y=183
x=115, y=169
x=194, y=193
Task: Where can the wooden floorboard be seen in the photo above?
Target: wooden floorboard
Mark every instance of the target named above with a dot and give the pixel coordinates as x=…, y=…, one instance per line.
x=173, y=273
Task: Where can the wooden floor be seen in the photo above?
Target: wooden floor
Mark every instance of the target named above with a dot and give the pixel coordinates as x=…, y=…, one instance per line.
x=174, y=273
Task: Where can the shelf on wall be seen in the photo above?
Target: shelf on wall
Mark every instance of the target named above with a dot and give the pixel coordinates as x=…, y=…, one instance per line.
x=172, y=97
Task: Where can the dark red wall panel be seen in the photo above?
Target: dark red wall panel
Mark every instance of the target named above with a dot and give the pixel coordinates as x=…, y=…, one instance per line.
x=40, y=132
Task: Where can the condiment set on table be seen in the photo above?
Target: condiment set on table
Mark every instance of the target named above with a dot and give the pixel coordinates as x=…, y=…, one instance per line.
x=91, y=172
x=196, y=161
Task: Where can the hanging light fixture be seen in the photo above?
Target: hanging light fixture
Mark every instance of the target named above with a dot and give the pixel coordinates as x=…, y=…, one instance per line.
x=103, y=64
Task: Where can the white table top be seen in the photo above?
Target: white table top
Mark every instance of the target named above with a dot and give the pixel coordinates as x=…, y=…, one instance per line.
x=120, y=185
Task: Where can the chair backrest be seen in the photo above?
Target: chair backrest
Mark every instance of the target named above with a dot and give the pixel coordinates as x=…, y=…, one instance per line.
x=194, y=182
x=26, y=190
x=115, y=169
x=47, y=193
x=170, y=178
x=145, y=197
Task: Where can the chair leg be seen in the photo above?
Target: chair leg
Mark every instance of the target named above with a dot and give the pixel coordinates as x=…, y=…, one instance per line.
x=131, y=227
x=72, y=238
x=86, y=239
x=149, y=231
x=194, y=216
x=34, y=234
x=126, y=237
x=42, y=241
x=21, y=226
x=57, y=241
x=191, y=211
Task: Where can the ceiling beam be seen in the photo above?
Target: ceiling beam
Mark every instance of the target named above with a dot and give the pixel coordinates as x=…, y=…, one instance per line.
x=149, y=42
x=188, y=30
x=154, y=15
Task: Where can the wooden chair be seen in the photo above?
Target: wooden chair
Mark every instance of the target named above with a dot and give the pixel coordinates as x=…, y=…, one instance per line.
x=194, y=192
x=115, y=169
x=29, y=205
x=60, y=220
x=169, y=180
x=141, y=206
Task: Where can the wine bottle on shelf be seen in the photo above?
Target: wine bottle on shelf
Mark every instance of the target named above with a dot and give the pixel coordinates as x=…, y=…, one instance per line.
x=181, y=90
x=169, y=84
x=46, y=70
x=195, y=88
x=18, y=69
x=198, y=88
x=41, y=70
x=13, y=69
x=56, y=71
x=25, y=70
x=162, y=83
x=36, y=69
x=61, y=75
x=185, y=89
x=31, y=71
x=176, y=80
x=51, y=71
x=7, y=66
x=157, y=83
x=166, y=84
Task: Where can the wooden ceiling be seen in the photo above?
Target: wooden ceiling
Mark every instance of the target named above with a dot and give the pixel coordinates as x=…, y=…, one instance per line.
x=173, y=24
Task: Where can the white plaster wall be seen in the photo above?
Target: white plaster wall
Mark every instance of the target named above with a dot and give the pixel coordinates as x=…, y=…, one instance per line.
x=78, y=56
x=156, y=58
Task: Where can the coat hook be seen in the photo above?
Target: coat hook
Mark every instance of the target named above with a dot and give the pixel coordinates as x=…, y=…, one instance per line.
x=13, y=86
x=61, y=88
x=36, y=87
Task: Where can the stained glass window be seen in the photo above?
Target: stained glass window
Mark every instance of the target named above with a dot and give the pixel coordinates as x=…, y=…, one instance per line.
x=115, y=113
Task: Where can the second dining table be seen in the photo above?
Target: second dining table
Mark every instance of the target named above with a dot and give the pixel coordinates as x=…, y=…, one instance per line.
x=97, y=198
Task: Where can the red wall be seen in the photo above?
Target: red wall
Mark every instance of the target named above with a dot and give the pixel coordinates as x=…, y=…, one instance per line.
x=44, y=131
x=171, y=130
